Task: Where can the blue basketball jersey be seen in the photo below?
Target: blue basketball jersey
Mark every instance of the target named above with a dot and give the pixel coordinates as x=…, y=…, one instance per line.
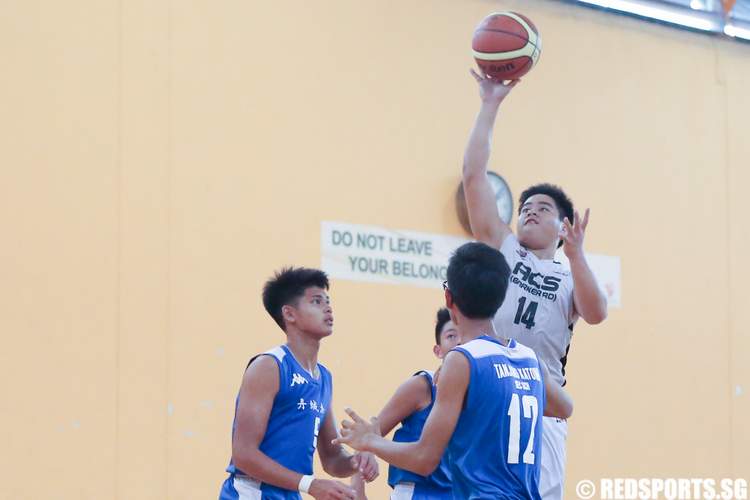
x=439, y=482
x=298, y=411
x=496, y=446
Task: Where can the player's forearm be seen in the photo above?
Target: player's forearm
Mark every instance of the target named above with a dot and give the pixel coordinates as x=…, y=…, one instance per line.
x=339, y=465
x=477, y=152
x=417, y=457
x=261, y=467
x=590, y=301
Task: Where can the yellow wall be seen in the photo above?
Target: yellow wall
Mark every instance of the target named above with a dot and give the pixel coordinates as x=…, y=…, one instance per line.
x=160, y=159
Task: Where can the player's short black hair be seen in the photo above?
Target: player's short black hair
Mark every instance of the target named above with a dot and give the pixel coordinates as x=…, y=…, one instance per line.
x=287, y=286
x=443, y=316
x=478, y=279
x=563, y=203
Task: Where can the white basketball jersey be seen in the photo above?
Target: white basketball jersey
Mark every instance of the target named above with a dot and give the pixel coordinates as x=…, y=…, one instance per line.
x=538, y=309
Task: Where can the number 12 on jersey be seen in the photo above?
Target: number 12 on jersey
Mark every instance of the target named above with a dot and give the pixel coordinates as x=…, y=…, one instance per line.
x=530, y=410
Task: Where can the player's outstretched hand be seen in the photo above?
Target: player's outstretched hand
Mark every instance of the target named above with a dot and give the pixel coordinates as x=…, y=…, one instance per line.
x=358, y=432
x=325, y=489
x=573, y=235
x=491, y=90
x=367, y=465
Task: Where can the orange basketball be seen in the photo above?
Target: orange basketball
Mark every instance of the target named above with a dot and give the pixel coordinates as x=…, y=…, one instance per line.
x=506, y=45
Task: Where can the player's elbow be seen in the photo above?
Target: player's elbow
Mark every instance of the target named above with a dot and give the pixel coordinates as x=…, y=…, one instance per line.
x=244, y=461
x=597, y=316
x=472, y=176
x=560, y=409
x=427, y=463
x=566, y=410
x=336, y=467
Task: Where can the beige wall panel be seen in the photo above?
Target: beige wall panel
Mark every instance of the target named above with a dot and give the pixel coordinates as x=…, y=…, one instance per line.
x=734, y=62
x=144, y=291
x=58, y=199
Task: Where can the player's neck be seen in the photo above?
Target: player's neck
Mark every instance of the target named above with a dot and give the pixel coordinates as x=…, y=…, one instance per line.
x=305, y=349
x=545, y=253
x=470, y=329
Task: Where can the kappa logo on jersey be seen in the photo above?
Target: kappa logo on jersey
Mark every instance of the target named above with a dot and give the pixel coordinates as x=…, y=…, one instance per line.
x=536, y=284
x=298, y=379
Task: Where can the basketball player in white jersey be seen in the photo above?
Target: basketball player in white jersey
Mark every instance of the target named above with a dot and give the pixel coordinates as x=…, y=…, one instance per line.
x=544, y=299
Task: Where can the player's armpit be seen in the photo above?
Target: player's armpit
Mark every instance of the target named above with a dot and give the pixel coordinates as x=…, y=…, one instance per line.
x=412, y=395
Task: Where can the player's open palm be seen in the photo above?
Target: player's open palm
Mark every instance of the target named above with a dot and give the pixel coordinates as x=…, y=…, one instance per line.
x=325, y=489
x=492, y=90
x=357, y=432
x=573, y=235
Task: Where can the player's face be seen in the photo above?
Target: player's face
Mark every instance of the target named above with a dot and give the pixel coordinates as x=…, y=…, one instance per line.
x=313, y=313
x=539, y=223
x=448, y=339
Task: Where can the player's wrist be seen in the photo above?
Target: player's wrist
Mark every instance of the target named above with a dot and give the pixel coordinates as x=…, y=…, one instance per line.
x=492, y=102
x=576, y=254
x=370, y=443
x=306, y=483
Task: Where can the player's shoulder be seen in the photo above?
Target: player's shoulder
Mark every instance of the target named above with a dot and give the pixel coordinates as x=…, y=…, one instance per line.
x=512, y=249
x=480, y=347
x=277, y=352
x=520, y=350
x=262, y=365
x=483, y=347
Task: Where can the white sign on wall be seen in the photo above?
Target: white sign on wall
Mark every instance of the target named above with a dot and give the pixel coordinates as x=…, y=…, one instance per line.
x=378, y=255
x=606, y=268
x=375, y=254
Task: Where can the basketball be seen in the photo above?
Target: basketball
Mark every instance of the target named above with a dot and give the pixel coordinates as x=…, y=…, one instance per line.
x=506, y=45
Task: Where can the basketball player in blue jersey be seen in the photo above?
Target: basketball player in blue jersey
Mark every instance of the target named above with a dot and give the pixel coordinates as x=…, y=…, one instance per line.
x=491, y=395
x=411, y=405
x=544, y=299
x=283, y=410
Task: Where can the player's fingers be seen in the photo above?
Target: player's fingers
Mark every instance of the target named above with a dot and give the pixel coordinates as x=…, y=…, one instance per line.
x=346, y=424
x=357, y=461
x=475, y=75
x=353, y=415
x=367, y=467
x=585, y=221
x=371, y=473
x=566, y=227
x=345, y=492
x=513, y=83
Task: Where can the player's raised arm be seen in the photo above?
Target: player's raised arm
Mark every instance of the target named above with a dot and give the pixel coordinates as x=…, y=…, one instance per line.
x=486, y=224
x=260, y=384
x=411, y=396
x=558, y=402
x=590, y=302
x=423, y=456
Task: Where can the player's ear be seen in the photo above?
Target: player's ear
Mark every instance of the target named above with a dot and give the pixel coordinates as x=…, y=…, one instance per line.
x=288, y=313
x=448, y=299
x=436, y=351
